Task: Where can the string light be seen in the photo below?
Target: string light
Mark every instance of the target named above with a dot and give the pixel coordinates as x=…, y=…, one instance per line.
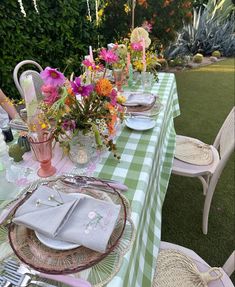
x=89, y=10
x=22, y=7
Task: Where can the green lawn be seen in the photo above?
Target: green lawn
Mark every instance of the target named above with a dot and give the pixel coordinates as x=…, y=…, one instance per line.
x=206, y=96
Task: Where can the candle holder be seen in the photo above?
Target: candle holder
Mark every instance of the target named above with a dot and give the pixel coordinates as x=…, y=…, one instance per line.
x=41, y=145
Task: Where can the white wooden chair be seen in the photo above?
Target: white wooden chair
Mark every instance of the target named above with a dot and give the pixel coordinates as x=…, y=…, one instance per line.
x=35, y=75
x=222, y=149
x=227, y=269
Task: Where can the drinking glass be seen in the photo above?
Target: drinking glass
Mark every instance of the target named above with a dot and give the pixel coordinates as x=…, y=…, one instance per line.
x=119, y=77
x=41, y=144
x=147, y=79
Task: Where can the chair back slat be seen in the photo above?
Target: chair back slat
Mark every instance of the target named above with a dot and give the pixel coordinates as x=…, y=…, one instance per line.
x=227, y=137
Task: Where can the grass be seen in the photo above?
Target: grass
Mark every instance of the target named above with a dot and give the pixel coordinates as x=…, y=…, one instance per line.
x=206, y=96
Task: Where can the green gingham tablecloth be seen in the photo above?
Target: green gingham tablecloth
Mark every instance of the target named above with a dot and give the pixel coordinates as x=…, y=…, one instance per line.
x=145, y=167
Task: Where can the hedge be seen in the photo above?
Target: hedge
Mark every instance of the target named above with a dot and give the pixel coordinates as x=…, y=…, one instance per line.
x=61, y=33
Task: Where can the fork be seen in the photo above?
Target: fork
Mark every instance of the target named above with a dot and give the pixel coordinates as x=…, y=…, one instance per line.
x=23, y=280
x=4, y=282
x=12, y=266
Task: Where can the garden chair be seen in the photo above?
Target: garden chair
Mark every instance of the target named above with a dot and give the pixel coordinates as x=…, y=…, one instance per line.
x=35, y=75
x=222, y=149
x=177, y=264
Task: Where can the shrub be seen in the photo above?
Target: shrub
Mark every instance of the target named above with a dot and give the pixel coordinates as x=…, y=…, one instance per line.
x=197, y=58
x=165, y=16
x=60, y=34
x=216, y=54
x=210, y=30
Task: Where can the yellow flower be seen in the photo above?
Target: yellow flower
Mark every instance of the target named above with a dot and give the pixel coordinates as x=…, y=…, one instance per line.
x=121, y=99
x=127, y=8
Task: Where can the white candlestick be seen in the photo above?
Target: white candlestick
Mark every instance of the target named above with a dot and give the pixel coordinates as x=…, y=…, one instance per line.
x=91, y=54
x=144, y=55
x=30, y=96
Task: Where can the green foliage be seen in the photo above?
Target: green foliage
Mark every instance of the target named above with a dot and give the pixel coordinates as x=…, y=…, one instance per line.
x=60, y=34
x=16, y=152
x=165, y=16
x=197, y=58
x=210, y=30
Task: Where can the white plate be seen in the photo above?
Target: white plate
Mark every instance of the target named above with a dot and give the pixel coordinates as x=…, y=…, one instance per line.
x=55, y=244
x=140, y=124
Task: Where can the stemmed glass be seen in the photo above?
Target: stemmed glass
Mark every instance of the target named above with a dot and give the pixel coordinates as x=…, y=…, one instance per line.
x=41, y=144
x=119, y=77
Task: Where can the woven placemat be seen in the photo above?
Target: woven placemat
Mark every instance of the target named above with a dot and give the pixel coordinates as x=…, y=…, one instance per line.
x=175, y=269
x=191, y=151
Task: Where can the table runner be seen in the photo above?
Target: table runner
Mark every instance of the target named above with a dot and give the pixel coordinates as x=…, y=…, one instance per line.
x=145, y=167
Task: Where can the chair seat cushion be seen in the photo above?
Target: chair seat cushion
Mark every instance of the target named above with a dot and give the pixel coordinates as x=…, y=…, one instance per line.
x=202, y=266
x=193, y=170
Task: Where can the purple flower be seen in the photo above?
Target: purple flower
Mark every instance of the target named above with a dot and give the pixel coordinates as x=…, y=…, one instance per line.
x=52, y=77
x=83, y=90
x=147, y=26
x=108, y=56
x=69, y=125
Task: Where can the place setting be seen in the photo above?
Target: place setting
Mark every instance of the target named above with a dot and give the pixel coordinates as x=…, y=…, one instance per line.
x=70, y=225
x=141, y=110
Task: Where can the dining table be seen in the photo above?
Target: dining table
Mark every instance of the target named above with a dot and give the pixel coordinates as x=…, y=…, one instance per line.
x=145, y=168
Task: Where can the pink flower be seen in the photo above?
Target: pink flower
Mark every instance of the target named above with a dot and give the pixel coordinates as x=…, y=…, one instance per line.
x=147, y=26
x=50, y=93
x=93, y=66
x=52, y=77
x=108, y=56
x=113, y=97
x=136, y=46
x=83, y=90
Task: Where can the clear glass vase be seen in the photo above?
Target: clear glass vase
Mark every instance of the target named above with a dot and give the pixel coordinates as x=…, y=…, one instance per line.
x=82, y=149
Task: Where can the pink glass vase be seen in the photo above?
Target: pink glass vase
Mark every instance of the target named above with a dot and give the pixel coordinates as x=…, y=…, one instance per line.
x=41, y=144
x=119, y=78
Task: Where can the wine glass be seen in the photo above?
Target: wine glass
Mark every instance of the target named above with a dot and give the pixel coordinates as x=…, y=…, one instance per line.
x=41, y=144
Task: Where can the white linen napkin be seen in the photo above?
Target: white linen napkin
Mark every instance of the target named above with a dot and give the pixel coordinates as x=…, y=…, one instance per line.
x=79, y=219
x=139, y=99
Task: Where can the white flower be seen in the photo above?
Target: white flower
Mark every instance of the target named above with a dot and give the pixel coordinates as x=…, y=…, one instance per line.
x=92, y=214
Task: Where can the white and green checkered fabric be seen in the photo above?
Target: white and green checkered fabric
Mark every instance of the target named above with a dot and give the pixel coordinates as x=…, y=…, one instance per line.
x=145, y=167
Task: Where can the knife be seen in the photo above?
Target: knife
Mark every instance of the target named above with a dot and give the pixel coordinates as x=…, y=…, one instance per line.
x=96, y=182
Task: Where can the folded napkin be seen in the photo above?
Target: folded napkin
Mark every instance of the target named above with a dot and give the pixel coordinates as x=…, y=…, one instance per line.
x=18, y=124
x=79, y=219
x=139, y=99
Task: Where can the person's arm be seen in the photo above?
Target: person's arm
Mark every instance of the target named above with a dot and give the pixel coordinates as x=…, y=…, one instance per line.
x=7, y=105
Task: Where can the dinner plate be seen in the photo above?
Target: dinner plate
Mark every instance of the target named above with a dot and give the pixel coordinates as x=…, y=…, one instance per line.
x=30, y=250
x=55, y=244
x=140, y=123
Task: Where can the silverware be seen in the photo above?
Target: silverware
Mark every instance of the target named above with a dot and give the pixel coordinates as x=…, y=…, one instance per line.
x=81, y=181
x=11, y=265
x=22, y=280
x=4, y=282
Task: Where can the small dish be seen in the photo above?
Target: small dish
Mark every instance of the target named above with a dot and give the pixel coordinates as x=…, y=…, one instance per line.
x=140, y=123
x=55, y=244
x=134, y=99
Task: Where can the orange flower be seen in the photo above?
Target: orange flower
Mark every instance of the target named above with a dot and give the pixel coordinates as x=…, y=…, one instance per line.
x=111, y=124
x=103, y=87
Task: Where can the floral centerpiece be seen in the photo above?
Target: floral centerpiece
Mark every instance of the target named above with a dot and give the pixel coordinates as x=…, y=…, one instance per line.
x=82, y=104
